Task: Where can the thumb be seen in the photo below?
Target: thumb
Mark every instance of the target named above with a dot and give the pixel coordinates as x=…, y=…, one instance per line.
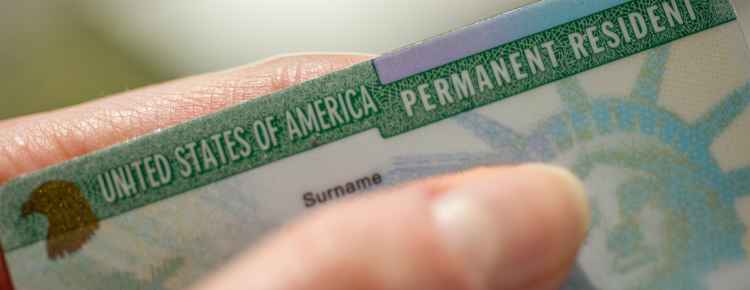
x=495, y=228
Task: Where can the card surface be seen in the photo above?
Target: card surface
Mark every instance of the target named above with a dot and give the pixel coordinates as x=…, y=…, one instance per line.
x=645, y=100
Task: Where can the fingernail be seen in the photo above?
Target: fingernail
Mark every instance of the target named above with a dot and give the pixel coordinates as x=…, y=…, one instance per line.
x=479, y=232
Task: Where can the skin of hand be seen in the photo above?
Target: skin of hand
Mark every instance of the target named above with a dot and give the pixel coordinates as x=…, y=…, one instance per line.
x=513, y=227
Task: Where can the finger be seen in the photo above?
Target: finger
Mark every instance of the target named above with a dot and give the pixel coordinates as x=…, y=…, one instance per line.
x=497, y=228
x=36, y=141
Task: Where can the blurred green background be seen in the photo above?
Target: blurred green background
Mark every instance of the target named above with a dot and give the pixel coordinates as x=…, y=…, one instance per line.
x=49, y=58
x=60, y=53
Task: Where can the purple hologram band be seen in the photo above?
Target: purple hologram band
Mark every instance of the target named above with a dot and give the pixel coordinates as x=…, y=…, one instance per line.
x=484, y=35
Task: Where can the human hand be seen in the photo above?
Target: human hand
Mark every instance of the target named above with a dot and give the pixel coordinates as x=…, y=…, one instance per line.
x=494, y=228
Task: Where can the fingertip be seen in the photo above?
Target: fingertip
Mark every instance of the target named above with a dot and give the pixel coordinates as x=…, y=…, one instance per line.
x=285, y=70
x=526, y=221
x=338, y=57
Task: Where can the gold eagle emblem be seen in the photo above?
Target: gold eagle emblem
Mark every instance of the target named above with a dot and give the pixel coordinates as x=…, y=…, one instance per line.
x=71, y=220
